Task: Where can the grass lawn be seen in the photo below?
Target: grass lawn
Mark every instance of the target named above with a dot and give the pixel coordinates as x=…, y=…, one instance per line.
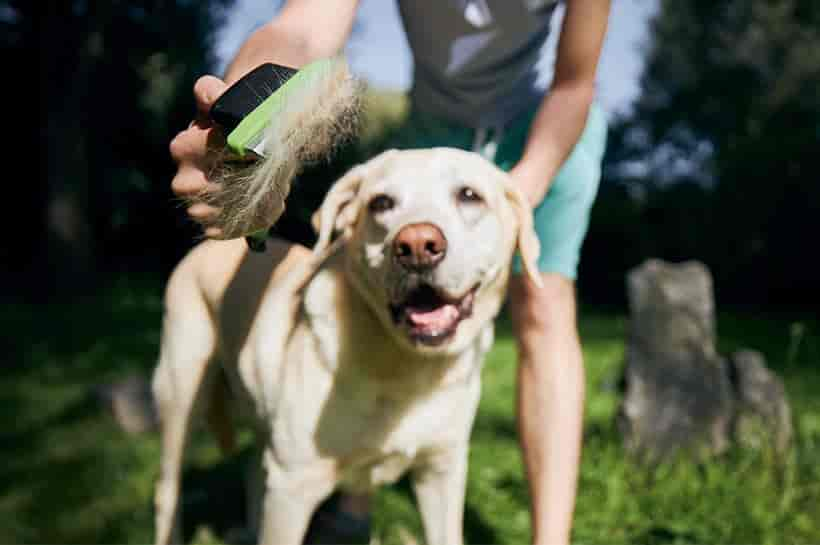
x=68, y=475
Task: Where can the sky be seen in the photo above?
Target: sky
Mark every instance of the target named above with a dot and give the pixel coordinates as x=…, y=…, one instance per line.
x=379, y=52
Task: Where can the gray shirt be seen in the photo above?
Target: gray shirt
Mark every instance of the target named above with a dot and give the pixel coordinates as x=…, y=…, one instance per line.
x=476, y=60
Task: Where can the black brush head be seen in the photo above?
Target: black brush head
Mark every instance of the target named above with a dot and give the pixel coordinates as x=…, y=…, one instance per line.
x=248, y=93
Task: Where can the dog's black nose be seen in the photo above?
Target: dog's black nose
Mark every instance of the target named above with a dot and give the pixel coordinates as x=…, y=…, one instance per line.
x=419, y=246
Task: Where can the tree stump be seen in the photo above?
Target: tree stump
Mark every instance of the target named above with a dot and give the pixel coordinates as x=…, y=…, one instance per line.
x=678, y=394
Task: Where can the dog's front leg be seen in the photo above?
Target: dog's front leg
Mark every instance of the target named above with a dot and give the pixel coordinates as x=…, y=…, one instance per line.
x=439, y=483
x=290, y=499
x=183, y=373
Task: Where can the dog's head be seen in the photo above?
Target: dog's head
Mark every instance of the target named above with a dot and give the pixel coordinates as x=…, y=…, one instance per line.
x=430, y=235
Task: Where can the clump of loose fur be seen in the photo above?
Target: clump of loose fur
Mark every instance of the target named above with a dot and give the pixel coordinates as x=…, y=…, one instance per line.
x=323, y=113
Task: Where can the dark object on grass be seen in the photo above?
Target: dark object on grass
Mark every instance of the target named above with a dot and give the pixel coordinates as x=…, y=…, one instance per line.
x=131, y=403
x=330, y=525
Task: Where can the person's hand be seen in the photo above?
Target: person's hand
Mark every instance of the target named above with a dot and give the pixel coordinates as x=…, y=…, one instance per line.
x=190, y=151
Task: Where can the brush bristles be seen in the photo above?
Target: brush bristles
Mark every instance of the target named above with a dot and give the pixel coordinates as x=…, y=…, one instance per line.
x=317, y=117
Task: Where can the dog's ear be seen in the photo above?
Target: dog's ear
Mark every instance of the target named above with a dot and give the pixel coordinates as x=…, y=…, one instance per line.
x=341, y=205
x=329, y=217
x=528, y=245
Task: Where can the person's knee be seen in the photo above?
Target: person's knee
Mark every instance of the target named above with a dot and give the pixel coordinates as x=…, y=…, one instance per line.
x=543, y=311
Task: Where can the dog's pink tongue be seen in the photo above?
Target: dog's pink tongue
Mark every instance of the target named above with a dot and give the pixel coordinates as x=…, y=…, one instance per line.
x=440, y=318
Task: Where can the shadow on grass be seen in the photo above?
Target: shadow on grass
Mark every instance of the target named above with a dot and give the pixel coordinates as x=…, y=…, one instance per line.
x=214, y=496
x=66, y=473
x=657, y=535
x=59, y=475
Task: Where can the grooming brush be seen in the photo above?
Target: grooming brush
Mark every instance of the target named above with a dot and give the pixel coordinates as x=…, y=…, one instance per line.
x=276, y=119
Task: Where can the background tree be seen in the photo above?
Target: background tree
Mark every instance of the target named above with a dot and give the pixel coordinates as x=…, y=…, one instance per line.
x=719, y=159
x=115, y=84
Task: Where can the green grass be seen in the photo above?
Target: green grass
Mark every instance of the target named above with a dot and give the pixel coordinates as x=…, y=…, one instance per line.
x=68, y=475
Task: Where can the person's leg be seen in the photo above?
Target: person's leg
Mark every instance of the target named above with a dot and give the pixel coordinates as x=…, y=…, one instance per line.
x=550, y=397
x=550, y=367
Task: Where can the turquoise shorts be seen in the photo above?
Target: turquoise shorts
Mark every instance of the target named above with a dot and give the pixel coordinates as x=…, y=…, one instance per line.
x=562, y=218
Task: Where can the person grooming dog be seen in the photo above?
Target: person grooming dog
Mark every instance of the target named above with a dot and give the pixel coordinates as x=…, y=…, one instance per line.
x=476, y=86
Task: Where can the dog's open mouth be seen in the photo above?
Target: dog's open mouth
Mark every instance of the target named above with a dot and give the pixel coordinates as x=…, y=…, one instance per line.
x=430, y=315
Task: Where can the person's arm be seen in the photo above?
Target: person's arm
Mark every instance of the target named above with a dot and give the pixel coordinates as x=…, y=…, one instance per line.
x=551, y=397
x=303, y=31
x=562, y=115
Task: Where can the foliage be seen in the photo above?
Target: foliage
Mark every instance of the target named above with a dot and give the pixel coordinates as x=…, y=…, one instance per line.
x=717, y=161
x=115, y=84
x=729, y=104
x=67, y=474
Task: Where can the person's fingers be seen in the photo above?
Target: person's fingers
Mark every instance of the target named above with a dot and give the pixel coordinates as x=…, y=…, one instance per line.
x=191, y=144
x=190, y=150
x=195, y=145
x=202, y=212
x=213, y=232
x=206, y=90
x=189, y=181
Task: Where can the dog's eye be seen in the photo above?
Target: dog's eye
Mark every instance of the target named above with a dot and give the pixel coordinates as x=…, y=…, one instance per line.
x=381, y=203
x=469, y=195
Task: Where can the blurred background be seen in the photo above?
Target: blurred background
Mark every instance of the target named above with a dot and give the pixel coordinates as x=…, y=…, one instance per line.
x=713, y=154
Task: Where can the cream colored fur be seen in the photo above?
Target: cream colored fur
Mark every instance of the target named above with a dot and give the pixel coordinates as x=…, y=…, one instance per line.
x=338, y=394
x=319, y=115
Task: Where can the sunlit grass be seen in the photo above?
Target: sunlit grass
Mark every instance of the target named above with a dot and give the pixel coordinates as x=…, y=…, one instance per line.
x=67, y=474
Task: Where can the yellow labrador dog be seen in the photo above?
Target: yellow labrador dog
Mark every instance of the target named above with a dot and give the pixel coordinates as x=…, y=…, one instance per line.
x=356, y=362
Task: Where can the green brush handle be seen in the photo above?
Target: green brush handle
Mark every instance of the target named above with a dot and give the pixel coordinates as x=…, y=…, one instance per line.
x=257, y=241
